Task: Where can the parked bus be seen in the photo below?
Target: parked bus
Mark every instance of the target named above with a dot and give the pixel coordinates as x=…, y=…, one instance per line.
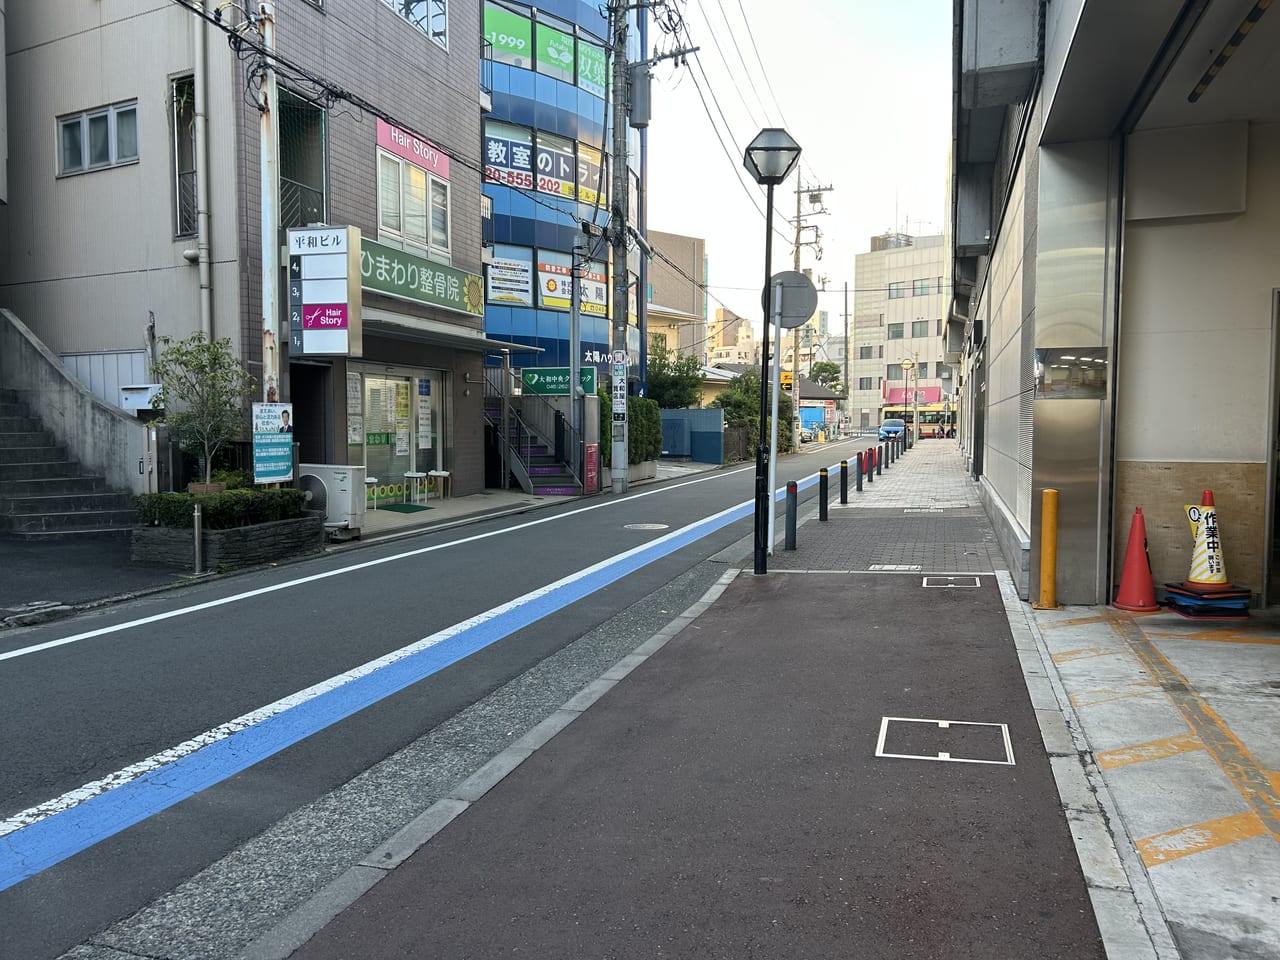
x=935, y=419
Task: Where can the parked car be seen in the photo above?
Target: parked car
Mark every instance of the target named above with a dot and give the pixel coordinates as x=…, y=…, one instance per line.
x=891, y=428
x=807, y=435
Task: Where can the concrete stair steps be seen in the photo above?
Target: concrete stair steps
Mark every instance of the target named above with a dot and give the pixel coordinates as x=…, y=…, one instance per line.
x=42, y=492
x=39, y=470
x=58, y=485
x=67, y=521
x=32, y=454
x=25, y=505
x=18, y=423
x=26, y=439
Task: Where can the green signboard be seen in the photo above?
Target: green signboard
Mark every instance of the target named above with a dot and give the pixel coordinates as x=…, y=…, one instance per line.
x=510, y=34
x=388, y=270
x=555, y=53
x=554, y=381
x=591, y=68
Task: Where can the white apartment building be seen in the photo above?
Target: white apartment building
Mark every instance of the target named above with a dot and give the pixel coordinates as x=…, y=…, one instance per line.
x=900, y=301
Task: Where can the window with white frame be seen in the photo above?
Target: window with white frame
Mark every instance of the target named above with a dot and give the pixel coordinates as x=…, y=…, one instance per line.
x=897, y=290
x=99, y=138
x=919, y=328
x=413, y=206
x=429, y=16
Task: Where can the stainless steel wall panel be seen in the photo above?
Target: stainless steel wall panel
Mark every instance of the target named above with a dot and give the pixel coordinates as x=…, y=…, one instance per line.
x=1074, y=307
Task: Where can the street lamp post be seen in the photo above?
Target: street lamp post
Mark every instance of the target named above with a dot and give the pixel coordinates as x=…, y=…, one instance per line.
x=769, y=158
x=908, y=365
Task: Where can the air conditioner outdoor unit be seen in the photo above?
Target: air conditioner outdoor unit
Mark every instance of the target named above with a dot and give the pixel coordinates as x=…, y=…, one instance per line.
x=337, y=489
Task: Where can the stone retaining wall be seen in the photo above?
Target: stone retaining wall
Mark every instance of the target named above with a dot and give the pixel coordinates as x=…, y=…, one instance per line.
x=228, y=549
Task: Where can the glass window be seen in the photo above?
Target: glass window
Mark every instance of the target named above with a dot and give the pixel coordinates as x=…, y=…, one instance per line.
x=388, y=193
x=897, y=290
x=182, y=100
x=511, y=35
x=866, y=353
x=894, y=372
x=555, y=53
x=303, y=133
x=920, y=288
x=866, y=383
x=557, y=166
x=938, y=331
x=429, y=16
x=104, y=137
x=100, y=140
x=440, y=214
x=126, y=134
x=919, y=328
x=894, y=332
x=413, y=206
x=72, y=146
x=592, y=68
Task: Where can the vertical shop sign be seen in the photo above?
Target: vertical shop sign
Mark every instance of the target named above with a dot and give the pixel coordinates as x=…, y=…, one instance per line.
x=324, y=305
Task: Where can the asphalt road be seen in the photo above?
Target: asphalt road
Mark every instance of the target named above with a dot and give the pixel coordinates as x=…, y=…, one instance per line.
x=149, y=676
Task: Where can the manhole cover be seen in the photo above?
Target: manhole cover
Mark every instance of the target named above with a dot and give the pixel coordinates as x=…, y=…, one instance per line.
x=645, y=526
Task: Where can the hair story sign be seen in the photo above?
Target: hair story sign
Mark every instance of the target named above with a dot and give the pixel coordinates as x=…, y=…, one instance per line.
x=422, y=153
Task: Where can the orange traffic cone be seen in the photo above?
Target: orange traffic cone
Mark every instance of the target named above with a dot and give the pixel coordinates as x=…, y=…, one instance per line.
x=1137, y=590
x=1208, y=565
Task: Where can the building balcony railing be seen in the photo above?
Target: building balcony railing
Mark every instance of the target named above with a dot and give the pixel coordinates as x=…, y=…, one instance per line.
x=300, y=204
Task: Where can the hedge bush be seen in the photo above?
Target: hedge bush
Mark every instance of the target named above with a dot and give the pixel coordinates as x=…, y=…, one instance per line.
x=644, y=429
x=220, y=511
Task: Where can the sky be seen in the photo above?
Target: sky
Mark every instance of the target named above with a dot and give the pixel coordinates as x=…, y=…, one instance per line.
x=864, y=86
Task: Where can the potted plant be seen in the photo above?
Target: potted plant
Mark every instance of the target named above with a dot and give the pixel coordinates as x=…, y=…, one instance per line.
x=203, y=388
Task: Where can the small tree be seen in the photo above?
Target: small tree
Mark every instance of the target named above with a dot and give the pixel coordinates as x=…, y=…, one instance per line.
x=673, y=381
x=827, y=374
x=740, y=401
x=202, y=392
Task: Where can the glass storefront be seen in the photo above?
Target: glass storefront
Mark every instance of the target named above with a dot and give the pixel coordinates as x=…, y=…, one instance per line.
x=395, y=425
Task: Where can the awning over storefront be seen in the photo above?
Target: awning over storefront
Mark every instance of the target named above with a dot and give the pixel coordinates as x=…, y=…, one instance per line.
x=387, y=323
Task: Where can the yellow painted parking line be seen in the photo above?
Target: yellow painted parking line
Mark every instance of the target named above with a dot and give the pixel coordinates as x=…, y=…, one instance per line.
x=1257, y=786
x=1085, y=653
x=1142, y=688
x=1234, y=635
x=1152, y=750
x=1074, y=622
x=1199, y=837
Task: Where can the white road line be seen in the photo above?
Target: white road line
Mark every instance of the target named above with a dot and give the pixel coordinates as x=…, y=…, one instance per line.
x=299, y=581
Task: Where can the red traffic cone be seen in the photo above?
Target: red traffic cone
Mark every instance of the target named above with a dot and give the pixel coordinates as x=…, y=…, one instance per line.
x=1137, y=590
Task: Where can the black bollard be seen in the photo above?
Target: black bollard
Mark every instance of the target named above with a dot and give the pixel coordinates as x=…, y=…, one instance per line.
x=822, y=493
x=861, y=470
x=871, y=464
x=880, y=461
x=789, y=542
x=844, y=481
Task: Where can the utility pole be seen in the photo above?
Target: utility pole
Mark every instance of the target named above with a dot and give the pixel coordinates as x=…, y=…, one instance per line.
x=795, y=333
x=618, y=10
x=848, y=350
x=268, y=150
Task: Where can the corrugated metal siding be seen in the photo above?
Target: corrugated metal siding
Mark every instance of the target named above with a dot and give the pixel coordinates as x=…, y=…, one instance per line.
x=103, y=374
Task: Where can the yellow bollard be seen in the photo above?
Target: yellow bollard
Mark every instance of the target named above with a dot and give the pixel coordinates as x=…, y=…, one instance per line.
x=1048, y=551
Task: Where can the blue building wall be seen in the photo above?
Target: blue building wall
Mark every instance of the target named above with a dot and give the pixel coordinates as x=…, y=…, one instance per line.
x=542, y=221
